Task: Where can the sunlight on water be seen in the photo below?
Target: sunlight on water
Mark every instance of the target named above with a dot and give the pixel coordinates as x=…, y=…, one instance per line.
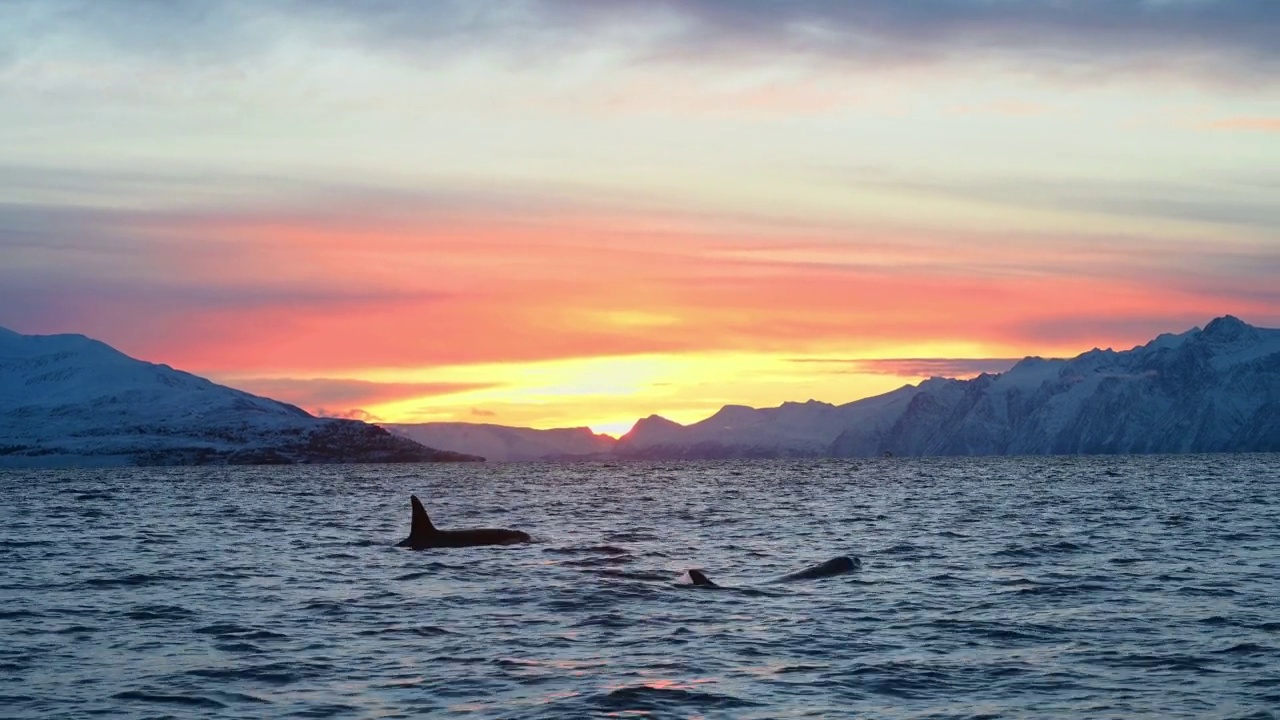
x=1034, y=587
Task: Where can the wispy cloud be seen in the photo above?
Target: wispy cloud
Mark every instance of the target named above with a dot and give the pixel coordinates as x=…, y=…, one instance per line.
x=400, y=279
x=915, y=367
x=1205, y=201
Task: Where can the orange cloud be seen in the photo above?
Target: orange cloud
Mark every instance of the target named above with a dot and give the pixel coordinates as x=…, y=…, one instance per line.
x=466, y=289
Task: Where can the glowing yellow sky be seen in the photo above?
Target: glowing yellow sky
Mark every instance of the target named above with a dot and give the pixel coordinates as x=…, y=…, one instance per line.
x=609, y=394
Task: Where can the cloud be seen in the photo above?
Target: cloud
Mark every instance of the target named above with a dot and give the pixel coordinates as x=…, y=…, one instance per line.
x=1118, y=332
x=352, y=414
x=477, y=412
x=918, y=367
x=1254, y=124
x=1221, y=202
x=188, y=31
x=311, y=284
x=1229, y=40
x=322, y=393
x=1231, y=37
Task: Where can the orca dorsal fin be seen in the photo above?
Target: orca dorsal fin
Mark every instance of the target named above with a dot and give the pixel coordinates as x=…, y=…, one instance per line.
x=421, y=523
x=697, y=577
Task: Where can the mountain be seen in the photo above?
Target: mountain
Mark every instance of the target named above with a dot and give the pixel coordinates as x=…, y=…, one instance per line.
x=68, y=400
x=506, y=444
x=1210, y=390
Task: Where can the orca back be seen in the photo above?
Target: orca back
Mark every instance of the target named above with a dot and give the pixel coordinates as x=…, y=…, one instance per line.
x=834, y=566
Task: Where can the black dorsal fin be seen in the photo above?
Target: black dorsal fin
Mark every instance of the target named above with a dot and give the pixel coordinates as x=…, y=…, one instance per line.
x=421, y=523
x=697, y=577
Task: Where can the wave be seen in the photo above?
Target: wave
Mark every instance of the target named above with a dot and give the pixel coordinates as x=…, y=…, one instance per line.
x=195, y=701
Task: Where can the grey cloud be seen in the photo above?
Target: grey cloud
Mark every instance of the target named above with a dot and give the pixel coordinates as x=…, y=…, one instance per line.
x=352, y=414
x=57, y=298
x=1202, y=205
x=66, y=198
x=1188, y=36
x=1230, y=41
x=65, y=266
x=339, y=392
x=196, y=31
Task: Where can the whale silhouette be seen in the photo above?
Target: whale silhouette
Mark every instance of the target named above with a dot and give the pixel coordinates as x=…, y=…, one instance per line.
x=834, y=566
x=424, y=535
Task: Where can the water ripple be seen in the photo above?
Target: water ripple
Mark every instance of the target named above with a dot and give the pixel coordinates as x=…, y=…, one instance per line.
x=999, y=587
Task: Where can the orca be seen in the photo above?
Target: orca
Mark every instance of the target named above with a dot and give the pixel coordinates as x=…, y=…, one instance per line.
x=834, y=566
x=424, y=535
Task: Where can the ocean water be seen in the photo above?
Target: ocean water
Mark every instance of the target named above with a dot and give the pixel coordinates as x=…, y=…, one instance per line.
x=1078, y=587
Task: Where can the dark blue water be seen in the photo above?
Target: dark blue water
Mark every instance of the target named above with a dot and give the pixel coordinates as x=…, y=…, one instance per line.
x=1046, y=587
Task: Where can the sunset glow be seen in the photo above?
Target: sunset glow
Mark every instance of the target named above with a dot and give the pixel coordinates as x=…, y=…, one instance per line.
x=554, y=213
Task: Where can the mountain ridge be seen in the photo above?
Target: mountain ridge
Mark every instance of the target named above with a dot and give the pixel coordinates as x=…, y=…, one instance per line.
x=71, y=399
x=1211, y=389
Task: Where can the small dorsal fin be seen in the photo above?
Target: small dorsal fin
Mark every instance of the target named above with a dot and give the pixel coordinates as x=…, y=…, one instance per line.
x=421, y=523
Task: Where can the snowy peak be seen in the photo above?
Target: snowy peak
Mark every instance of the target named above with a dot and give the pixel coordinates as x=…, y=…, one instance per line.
x=1230, y=341
x=1229, y=329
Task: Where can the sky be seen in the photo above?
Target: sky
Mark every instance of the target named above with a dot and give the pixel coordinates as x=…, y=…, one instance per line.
x=557, y=213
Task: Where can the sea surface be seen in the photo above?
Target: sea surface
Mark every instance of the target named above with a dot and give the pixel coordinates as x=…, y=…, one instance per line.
x=1072, y=587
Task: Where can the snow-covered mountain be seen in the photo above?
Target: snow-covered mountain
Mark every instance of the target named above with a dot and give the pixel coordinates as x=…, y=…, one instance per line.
x=68, y=400
x=506, y=444
x=1210, y=390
